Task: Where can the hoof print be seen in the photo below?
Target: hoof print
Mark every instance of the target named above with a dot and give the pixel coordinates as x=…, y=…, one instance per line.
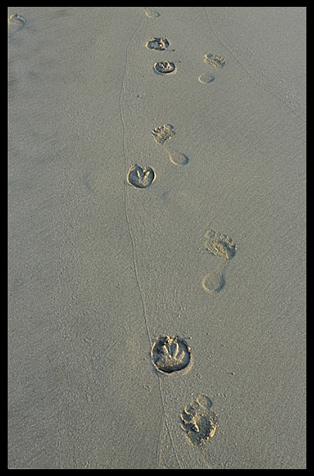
x=165, y=67
x=198, y=421
x=163, y=133
x=220, y=245
x=141, y=177
x=214, y=60
x=160, y=44
x=170, y=354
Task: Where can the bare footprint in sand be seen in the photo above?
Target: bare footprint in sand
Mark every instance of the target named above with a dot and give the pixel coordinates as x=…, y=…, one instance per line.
x=206, y=78
x=151, y=13
x=199, y=421
x=162, y=135
x=217, y=62
x=171, y=354
x=222, y=246
x=141, y=177
x=16, y=23
x=214, y=281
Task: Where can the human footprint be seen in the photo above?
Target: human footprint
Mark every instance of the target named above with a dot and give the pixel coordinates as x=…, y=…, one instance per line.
x=198, y=420
x=214, y=60
x=217, y=62
x=222, y=246
x=162, y=135
x=206, y=78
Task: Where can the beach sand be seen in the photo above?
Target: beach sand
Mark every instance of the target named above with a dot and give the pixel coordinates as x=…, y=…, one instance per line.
x=100, y=268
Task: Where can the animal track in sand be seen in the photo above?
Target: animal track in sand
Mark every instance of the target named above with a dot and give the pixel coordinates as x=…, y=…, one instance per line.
x=221, y=245
x=141, y=177
x=16, y=23
x=159, y=44
x=198, y=421
x=163, y=134
x=171, y=354
x=165, y=68
x=214, y=60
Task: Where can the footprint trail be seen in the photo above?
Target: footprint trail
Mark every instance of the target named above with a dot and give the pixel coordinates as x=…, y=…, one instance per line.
x=175, y=355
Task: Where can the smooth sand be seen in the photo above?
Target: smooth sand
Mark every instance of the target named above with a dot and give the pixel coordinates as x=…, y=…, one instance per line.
x=98, y=268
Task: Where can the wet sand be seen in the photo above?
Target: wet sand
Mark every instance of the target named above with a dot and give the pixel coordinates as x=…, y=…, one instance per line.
x=123, y=231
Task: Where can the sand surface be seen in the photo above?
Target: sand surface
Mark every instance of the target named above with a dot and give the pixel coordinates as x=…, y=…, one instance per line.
x=99, y=269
